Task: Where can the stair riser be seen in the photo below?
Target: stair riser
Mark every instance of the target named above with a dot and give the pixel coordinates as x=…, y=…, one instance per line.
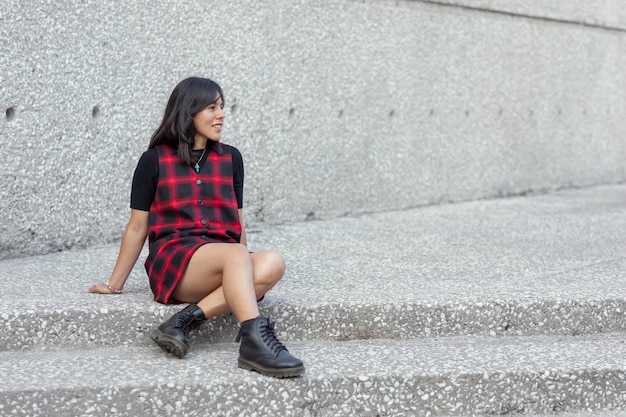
x=462, y=394
x=54, y=330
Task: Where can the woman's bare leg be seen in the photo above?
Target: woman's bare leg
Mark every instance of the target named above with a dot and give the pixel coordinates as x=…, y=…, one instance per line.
x=200, y=280
x=226, y=277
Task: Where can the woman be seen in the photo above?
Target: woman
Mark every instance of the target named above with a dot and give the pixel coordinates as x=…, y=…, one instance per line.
x=187, y=197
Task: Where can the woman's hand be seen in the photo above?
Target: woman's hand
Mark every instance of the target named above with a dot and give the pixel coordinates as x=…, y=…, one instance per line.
x=104, y=289
x=132, y=243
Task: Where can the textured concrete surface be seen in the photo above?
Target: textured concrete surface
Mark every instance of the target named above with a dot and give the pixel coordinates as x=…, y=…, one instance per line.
x=594, y=413
x=602, y=13
x=337, y=106
x=544, y=264
x=493, y=307
x=450, y=376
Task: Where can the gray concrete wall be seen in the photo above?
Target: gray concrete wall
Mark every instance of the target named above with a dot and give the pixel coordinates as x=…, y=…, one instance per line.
x=338, y=106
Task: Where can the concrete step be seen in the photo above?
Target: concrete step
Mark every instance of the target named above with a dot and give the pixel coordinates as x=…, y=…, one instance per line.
x=128, y=325
x=415, y=377
x=543, y=264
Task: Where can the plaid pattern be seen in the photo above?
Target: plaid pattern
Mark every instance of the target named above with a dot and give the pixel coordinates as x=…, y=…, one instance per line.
x=189, y=210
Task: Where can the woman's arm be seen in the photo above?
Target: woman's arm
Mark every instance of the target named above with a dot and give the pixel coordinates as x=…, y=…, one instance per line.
x=243, y=240
x=130, y=249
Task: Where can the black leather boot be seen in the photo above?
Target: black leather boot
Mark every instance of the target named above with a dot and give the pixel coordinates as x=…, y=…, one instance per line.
x=261, y=351
x=172, y=334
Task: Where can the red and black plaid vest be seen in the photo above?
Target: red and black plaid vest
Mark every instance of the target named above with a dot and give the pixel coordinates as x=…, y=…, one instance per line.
x=189, y=210
x=187, y=203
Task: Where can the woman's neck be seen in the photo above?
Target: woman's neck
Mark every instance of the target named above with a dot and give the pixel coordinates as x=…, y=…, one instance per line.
x=199, y=144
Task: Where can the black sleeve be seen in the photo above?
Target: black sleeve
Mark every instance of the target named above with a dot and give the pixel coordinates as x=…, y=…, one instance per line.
x=238, y=176
x=145, y=181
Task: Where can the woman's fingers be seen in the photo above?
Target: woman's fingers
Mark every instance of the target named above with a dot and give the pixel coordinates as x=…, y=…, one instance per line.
x=99, y=289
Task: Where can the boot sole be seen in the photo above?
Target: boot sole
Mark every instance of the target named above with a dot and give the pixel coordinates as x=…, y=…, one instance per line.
x=169, y=344
x=275, y=372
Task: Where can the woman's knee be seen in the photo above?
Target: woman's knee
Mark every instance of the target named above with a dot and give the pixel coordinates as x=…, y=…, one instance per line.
x=277, y=264
x=238, y=252
x=269, y=267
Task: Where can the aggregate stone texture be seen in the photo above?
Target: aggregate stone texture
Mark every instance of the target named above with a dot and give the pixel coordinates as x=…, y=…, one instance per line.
x=542, y=264
x=339, y=107
x=445, y=376
x=599, y=13
x=594, y=413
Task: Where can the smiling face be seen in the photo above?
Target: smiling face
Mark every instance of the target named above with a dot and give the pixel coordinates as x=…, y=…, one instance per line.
x=208, y=123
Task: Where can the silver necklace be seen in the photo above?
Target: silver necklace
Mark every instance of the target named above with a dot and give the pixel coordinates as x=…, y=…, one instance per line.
x=197, y=167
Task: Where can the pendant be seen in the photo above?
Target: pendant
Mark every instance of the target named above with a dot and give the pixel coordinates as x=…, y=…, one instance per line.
x=197, y=169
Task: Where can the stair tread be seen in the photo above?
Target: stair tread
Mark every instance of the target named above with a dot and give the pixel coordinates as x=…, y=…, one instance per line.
x=419, y=377
x=324, y=360
x=568, y=244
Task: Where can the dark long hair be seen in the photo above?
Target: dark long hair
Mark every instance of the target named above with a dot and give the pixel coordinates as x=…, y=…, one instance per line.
x=177, y=129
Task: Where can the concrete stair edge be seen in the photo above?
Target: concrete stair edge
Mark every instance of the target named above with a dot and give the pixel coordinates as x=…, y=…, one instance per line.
x=445, y=376
x=128, y=325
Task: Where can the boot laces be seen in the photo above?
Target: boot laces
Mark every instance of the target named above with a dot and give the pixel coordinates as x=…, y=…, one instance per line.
x=185, y=321
x=270, y=339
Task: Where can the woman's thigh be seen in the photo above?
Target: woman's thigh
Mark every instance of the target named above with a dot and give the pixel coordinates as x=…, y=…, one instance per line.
x=205, y=270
